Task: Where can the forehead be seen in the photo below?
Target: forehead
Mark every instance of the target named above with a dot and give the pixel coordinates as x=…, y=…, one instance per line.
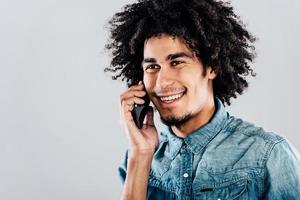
x=164, y=44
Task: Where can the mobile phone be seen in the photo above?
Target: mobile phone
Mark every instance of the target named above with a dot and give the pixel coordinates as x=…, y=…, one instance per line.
x=139, y=112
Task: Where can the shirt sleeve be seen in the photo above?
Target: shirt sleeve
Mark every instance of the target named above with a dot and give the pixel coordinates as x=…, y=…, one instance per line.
x=123, y=168
x=283, y=173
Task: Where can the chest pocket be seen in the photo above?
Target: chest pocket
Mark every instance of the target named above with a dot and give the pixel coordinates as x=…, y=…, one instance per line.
x=229, y=190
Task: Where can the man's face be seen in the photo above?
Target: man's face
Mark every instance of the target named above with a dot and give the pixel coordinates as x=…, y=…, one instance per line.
x=174, y=79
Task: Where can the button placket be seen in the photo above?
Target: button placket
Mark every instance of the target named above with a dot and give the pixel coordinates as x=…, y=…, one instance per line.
x=183, y=148
x=186, y=169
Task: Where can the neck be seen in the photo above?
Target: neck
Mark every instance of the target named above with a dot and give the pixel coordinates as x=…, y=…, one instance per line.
x=197, y=121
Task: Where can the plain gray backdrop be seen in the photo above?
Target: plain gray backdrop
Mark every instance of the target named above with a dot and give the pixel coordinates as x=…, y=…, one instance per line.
x=60, y=136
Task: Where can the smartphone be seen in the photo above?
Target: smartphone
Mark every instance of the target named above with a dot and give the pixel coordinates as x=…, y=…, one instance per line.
x=139, y=112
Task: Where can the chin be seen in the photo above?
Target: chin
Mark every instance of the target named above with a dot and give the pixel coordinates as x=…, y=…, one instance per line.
x=175, y=120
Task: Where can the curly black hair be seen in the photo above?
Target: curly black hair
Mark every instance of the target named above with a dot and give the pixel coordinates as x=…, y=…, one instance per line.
x=209, y=28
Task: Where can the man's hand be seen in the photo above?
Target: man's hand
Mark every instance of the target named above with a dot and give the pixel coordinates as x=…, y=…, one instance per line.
x=142, y=140
x=142, y=144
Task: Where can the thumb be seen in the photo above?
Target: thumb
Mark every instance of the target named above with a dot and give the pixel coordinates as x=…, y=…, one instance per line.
x=149, y=117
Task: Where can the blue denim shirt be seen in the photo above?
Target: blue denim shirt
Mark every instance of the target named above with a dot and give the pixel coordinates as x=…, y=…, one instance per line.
x=227, y=158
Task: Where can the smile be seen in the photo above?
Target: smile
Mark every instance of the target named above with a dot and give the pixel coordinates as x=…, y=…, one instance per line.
x=171, y=98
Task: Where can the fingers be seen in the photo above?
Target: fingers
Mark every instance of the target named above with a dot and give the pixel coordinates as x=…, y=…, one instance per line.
x=133, y=93
x=139, y=139
x=127, y=100
x=136, y=87
x=133, y=100
x=136, y=90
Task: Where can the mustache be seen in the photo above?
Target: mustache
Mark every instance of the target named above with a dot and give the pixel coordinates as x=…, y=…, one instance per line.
x=167, y=90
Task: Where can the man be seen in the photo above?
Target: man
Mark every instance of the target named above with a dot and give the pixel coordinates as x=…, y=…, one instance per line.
x=191, y=57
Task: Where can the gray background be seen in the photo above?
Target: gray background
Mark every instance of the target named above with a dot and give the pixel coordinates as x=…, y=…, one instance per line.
x=60, y=136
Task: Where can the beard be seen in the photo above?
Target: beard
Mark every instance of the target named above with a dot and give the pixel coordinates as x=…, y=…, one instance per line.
x=172, y=120
x=176, y=121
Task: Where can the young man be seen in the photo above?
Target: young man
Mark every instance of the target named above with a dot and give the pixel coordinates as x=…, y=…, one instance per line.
x=191, y=57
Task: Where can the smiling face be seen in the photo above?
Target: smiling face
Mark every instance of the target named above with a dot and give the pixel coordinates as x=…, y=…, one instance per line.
x=175, y=81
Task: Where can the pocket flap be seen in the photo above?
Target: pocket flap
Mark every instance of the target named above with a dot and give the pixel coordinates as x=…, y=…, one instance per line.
x=222, y=190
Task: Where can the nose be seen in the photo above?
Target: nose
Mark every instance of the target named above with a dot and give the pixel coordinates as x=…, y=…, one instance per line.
x=165, y=78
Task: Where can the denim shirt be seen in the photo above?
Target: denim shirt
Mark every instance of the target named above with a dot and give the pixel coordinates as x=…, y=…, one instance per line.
x=227, y=158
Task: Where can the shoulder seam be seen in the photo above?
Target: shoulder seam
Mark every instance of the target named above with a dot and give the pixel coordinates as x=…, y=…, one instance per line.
x=270, y=148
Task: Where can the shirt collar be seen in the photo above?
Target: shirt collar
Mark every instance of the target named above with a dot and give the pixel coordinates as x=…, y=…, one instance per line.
x=200, y=138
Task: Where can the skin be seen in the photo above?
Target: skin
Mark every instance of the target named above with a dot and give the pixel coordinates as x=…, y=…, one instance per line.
x=169, y=68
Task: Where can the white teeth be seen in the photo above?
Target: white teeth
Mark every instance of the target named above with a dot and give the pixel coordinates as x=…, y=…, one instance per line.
x=173, y=97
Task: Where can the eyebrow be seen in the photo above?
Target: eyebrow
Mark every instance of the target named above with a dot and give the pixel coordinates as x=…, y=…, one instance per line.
x=178, y=55
x=169, y=57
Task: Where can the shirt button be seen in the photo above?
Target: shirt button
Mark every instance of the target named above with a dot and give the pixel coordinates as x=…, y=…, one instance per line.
x=185, y=175
x=183, y=148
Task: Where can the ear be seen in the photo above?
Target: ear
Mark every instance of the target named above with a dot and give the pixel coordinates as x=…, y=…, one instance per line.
x=210, y=73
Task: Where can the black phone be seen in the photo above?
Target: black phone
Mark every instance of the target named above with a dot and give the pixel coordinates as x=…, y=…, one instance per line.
x=139, y=112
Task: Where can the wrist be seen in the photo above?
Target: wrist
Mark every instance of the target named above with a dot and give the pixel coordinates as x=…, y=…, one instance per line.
x=141, y=153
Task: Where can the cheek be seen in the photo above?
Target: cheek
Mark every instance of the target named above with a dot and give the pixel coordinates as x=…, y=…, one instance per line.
x=198, y=88
x=146, y=80
x=149, y=83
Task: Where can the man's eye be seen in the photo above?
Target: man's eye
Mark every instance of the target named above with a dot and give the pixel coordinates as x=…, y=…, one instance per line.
x=151, y=68
x=176, y=62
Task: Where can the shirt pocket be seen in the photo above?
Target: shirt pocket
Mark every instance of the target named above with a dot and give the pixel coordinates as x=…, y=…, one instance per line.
x=229, y=190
